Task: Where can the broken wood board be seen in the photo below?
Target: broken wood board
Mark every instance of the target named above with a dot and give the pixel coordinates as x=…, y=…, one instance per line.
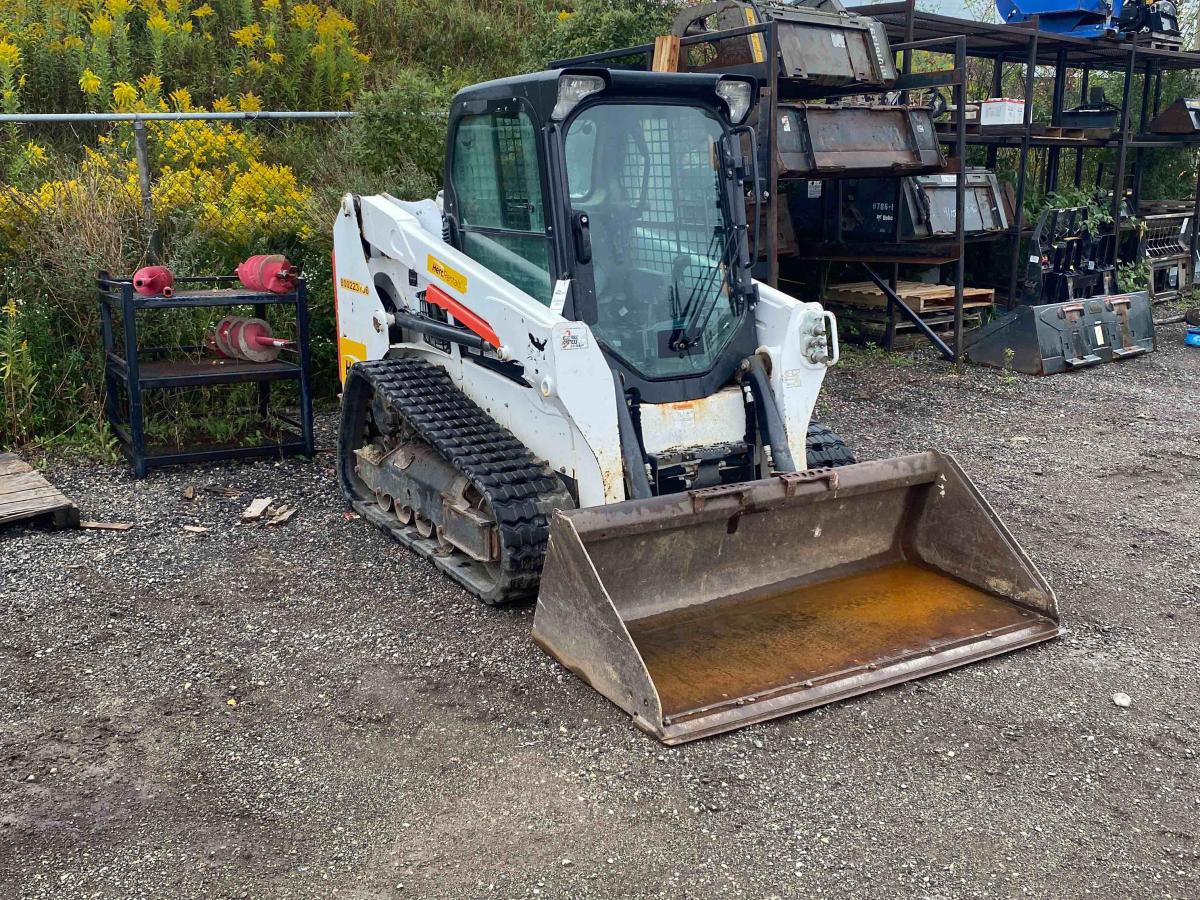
x=25, y=494
x=919, y=297
x=666, y=54
x=257, y=507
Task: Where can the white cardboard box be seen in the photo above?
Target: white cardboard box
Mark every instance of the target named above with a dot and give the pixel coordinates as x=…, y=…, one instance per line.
x=1002, y=111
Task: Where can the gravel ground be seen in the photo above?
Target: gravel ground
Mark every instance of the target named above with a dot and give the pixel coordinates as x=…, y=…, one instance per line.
x=309, y=711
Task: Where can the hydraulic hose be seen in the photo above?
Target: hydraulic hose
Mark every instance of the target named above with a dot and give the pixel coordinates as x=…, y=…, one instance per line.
x=770, y=422
x=631, y=449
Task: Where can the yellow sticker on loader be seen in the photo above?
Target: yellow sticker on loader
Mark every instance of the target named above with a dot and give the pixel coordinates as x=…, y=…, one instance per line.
x=351, y=285
x=440, y=270
x=349, y=352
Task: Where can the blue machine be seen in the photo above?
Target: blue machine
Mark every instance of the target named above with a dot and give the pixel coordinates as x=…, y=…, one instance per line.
x=1094, y=18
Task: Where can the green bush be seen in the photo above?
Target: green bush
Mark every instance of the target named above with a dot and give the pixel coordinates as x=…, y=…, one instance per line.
x=403, y=126
x=596, y=25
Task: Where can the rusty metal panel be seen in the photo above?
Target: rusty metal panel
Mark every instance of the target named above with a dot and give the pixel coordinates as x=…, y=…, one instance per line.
x=818, y=50
x=705, y=611
x=1181, y=117
x=827, y=141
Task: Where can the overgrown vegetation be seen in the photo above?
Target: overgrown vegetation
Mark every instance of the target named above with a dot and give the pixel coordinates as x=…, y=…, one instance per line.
x=69, y=196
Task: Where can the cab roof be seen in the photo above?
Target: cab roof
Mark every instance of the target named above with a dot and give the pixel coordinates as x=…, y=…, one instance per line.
x=540, y=89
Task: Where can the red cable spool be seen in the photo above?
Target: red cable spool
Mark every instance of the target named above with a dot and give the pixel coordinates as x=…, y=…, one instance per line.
x=237, y=337
x=271, y=273
x=151, y=281
x=221, y=334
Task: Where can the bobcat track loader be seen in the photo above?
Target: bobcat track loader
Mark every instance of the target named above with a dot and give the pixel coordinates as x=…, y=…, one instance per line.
x=562, y=382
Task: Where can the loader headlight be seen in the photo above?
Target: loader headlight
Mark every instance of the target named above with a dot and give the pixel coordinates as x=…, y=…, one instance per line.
x=572, y=89
x=737, y=96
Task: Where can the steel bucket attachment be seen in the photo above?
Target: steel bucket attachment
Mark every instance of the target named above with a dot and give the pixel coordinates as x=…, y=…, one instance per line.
x=820, y=141
x=702, y=612
x=818, y=49
x=1059, y=337
x=868, y=208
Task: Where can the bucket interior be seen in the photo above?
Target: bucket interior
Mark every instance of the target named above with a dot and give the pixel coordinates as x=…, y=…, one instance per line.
x=725, y=653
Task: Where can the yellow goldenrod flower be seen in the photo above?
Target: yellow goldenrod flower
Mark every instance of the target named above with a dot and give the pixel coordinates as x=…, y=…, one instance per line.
x=247, y=36
x=203, y=11
x=317, y=50
x=89, y=82
x=249, y=102
x=269, y=42
x=150, y=84
x=222, y=104
x=102, y=27
x=119, y=8
x=157, y=24
x=305, y=15
x=271, y=5
x=563, y=15
x=35, y=153
x=276, y=58
x=181, y=99
x=333, y=23
x=124, y=94
x=10, y=57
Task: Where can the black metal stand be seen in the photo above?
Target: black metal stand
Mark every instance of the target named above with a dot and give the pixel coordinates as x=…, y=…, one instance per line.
x=140, y=369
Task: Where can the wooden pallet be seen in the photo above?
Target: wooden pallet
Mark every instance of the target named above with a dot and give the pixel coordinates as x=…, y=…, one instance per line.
x=24, y=494
x=919, y=297
x=1042, y=129
x=1153, y=40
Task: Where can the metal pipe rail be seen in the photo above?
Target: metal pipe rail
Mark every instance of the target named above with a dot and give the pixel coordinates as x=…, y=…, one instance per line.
x=36, y=118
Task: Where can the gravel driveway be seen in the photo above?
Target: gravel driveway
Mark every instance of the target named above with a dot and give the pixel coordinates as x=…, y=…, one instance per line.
x=308, y=711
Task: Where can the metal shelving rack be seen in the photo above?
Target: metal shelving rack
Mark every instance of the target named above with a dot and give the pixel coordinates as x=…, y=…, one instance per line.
x=1027, y=45
x=132, y=370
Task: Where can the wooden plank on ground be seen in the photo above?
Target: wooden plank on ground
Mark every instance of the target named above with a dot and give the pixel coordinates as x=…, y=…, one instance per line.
x=25, y=494
x=666, y=53
x=10, y=464
x=920, y=297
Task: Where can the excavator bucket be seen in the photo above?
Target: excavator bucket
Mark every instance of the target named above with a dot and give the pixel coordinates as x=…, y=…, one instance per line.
x=702, y=612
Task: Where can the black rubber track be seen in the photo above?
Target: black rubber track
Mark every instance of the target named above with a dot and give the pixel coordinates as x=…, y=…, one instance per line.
x=521, y=491
x=824, y=448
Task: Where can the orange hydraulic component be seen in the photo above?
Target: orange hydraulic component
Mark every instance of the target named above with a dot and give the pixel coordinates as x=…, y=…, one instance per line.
x=464, y=316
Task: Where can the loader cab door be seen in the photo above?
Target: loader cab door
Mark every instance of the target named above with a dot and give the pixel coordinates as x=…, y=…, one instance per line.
x=495, y=194
x=658, y=284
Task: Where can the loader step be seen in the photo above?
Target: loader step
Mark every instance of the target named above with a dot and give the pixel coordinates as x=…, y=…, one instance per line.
x=520, y=491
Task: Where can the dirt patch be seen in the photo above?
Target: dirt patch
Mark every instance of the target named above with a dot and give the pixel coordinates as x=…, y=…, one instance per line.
x=388, y=737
